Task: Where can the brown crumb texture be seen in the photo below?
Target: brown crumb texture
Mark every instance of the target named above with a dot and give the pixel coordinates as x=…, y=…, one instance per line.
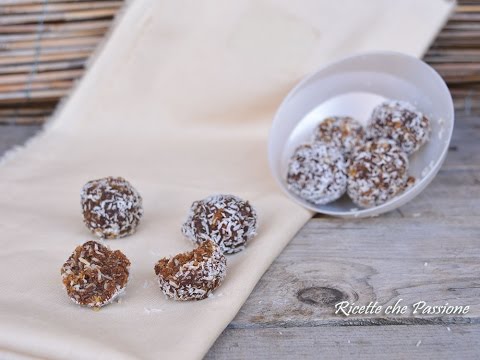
x=192, y=275
x=377, y=172
x=343, y=132
x=94, y=275
x=111, y=207
x=225, y=219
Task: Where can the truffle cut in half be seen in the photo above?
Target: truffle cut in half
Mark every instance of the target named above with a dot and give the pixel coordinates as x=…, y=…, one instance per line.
x=94, y=275
x=192, y=275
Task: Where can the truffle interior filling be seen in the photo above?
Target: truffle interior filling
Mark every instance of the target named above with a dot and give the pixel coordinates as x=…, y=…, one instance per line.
x=94, y=274
x=167, y=268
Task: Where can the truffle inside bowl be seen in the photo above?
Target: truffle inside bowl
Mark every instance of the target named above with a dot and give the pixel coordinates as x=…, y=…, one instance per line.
x=353, y=87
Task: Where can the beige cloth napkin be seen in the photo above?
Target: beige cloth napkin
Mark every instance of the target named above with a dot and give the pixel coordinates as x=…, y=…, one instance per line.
x=179, y=101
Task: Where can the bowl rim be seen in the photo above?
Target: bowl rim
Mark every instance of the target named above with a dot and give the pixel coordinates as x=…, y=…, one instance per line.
x=395, y=202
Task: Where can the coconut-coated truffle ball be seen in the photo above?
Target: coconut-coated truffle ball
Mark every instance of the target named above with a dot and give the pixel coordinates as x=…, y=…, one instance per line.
x=342, y=131
x=401, y=122
x=111, y=206
x=317, y=173
x=226, y=219
x=378, y=172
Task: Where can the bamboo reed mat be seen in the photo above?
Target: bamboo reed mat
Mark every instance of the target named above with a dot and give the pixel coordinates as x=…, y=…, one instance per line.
x=45, y=44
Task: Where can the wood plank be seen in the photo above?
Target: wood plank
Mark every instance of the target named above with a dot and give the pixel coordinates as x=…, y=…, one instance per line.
x=462, y=26
x=459, y=73
x=359, y=342
x=452, y=55
x=467, y=8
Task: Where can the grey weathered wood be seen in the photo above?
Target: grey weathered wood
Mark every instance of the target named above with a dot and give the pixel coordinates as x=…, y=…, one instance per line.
x=410, y=257
x=359, y=342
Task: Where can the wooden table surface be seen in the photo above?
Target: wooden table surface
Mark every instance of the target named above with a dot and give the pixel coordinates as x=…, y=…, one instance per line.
x=428, y=250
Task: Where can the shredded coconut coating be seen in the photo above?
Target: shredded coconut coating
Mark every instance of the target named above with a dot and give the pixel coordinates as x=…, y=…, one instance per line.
x=94, y=275
x=401, y=122
x=226, y=219
x=192, y=275
x=317, y=173
x=111, y=206
x=377, y=173
x=341, y=131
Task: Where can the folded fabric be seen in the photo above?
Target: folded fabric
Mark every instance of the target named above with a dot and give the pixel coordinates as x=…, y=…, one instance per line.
x=178, y=101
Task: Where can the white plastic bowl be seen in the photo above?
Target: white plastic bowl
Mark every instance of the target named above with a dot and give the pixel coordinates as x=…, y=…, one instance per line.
x=353, y=87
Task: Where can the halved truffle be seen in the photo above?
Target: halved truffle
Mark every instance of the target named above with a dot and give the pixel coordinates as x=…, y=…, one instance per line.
x=192, y=275
x=94, y=275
